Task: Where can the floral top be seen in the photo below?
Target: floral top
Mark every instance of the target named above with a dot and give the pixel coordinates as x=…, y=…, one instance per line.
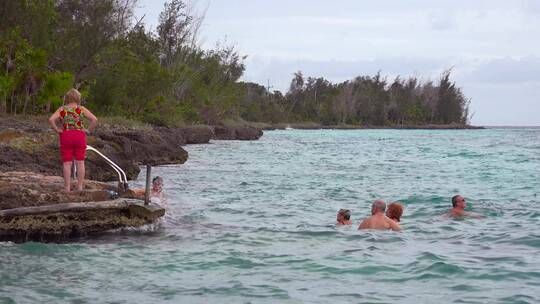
x=72, y=118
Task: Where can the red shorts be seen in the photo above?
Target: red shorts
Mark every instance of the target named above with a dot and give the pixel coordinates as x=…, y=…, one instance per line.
x=72, y=145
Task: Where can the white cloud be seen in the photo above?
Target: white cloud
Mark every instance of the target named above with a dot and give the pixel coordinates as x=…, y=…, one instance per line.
x=507, y=70
x=280, y=71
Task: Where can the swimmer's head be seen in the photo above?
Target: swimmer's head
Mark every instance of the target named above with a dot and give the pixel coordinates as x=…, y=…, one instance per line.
x=157, y=180
x=378, y=206
x=343, y=214
x=395, y=211
x=157, y=183
x=458, y=201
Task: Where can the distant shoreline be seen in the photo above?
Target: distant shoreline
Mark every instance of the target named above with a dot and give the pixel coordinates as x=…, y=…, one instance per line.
x=314, y=126
x=511, y=127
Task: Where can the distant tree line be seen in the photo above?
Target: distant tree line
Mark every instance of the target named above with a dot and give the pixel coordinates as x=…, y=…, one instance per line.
x=164, y=77
x=364, y=100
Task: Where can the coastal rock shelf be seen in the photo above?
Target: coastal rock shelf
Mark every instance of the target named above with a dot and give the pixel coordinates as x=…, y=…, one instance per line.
x=63, y=222
x=33, y=207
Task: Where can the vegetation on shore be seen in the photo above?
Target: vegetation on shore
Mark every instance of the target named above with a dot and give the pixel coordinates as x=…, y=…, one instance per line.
x=164, y=77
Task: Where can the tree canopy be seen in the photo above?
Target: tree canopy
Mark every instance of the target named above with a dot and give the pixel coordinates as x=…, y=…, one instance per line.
x=164, y=77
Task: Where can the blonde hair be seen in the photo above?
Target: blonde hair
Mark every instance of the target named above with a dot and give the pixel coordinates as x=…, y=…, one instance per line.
x=72, y=96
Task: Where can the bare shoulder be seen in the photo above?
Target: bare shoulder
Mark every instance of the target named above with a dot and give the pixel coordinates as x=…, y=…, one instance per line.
x=365, y=224
x=393, y=225
x=454, y=213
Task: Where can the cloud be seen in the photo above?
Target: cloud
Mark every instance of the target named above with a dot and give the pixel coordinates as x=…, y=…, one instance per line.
x=442, y=20
x=507, y=70
x=508, y=104
x=279, y=71
x=525, y=70
x=532, y=7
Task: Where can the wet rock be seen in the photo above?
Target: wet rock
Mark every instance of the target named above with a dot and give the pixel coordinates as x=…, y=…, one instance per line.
x=237, y=133
x=197, y=134
x=248, y=133
x=224, y=133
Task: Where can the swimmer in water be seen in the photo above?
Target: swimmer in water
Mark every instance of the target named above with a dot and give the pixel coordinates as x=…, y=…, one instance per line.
x=156, y=191
x=344, y=217
x=458, y=208
x=395, y=211
x=378, y=220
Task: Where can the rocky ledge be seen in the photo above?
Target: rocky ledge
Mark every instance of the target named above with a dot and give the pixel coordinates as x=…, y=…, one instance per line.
x=32, y=203
x=33, y=207
x=30, y=145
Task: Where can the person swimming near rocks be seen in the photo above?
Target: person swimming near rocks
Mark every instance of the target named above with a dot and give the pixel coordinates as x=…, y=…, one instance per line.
x=394, y=211
x=458, y=208
x=378, y=220
x=156, y=191
x=344, y=217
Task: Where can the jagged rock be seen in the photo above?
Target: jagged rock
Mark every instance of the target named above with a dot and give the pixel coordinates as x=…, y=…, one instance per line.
x=28, y=144
x=197, y=134
x=38, y=151
x=248, y=133
x=237, y=133
x=224, y=133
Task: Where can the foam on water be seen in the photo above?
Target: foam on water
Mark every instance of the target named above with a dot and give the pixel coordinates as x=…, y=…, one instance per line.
x=254, y=222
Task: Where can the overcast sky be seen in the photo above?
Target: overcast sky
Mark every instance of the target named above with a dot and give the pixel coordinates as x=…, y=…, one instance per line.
x=492, y=46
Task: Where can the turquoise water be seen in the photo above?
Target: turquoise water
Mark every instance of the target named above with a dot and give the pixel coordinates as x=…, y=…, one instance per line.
x=253, y=222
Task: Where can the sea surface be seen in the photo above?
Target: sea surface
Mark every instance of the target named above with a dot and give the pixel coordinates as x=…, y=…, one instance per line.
x=254, y=222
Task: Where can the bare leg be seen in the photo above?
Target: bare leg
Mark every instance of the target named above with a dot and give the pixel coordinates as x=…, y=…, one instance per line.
x=67, y=176
x=80, y=174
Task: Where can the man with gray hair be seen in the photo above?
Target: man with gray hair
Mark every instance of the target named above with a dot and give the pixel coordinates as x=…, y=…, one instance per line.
x=378, y=220
x=458, y=208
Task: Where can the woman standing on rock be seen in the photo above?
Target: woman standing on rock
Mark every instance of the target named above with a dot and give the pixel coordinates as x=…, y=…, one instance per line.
x=73, y=135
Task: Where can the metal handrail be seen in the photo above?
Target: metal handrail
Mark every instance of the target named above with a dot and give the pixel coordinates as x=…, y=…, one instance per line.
x=121, y=174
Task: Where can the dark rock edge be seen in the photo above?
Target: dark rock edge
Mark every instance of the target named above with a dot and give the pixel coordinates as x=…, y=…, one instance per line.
x=30, y=145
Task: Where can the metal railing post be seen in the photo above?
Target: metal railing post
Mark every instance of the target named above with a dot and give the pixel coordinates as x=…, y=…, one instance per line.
x=148, y=180
x=74, y=169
